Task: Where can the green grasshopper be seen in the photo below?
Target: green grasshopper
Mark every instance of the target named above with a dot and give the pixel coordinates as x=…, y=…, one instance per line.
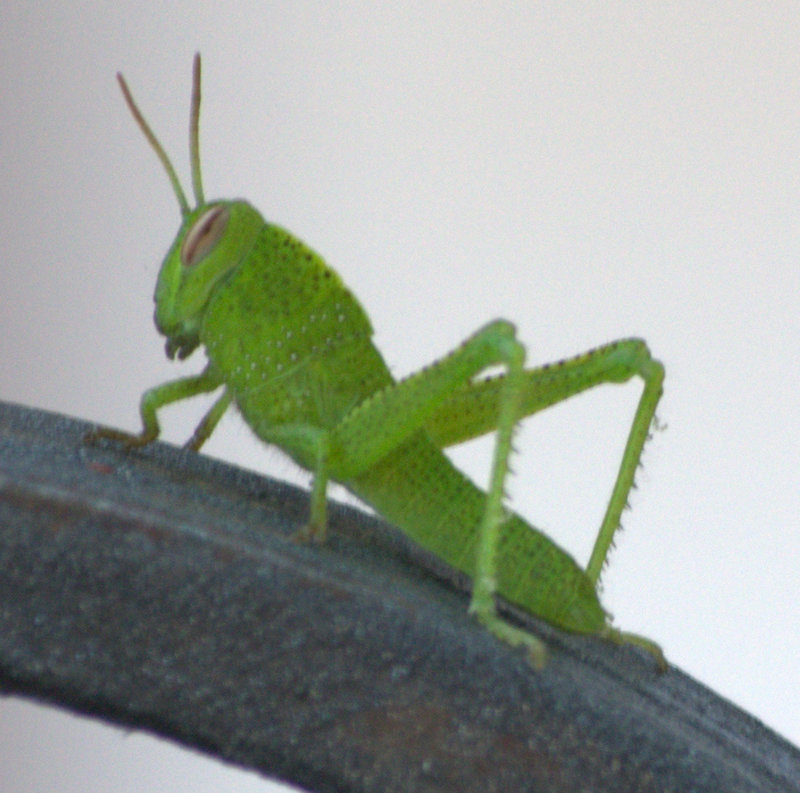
x=291, y=347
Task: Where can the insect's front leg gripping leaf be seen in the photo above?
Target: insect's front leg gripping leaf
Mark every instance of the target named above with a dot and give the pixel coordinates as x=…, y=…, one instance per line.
x=156, y=398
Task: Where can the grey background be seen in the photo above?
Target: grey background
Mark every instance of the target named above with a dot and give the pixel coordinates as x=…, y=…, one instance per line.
x=590, y=171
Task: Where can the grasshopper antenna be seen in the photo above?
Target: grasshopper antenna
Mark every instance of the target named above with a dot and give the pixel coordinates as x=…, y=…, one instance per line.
x=194, y=133
x=153, y=140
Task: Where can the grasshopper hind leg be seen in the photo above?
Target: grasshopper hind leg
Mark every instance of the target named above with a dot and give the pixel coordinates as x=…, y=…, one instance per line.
x=483, y=604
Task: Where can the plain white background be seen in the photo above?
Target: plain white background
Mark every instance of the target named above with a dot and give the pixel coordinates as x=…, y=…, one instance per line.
x=588, y=170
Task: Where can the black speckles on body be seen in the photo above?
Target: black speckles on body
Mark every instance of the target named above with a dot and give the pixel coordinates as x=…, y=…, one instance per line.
x=291, y=341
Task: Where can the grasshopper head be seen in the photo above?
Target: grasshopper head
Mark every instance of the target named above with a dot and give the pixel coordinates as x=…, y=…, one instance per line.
x=213, y=239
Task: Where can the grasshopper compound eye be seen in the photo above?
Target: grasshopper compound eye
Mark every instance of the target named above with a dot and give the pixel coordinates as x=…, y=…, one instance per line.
x=203, y=236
